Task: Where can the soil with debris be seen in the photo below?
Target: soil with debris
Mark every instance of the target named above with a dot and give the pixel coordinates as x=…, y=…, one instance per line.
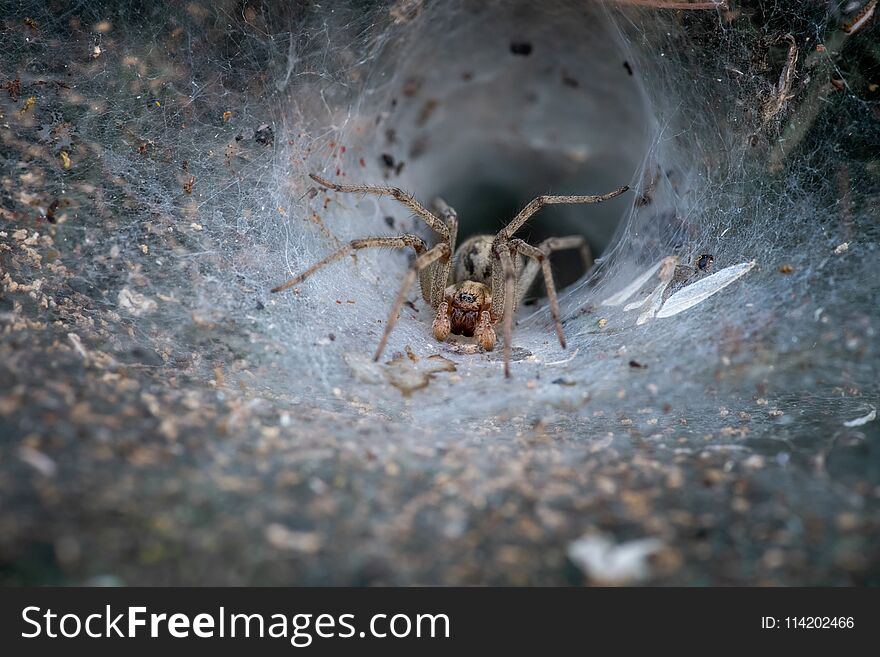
x=130, y=465
x=143, y=448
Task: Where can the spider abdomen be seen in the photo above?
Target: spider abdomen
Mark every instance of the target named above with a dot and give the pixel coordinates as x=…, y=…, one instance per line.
x=473, y=260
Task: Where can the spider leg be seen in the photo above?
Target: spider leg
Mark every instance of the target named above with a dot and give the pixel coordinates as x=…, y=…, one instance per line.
x=398, y=242
x=441, y=272
x=538, y=203
x=540, y=256
x=450, y=216
x=527, y=276
x=484, y=332
x=508, y=274
x=438, y=252
x=442, y=325
x=397, y=194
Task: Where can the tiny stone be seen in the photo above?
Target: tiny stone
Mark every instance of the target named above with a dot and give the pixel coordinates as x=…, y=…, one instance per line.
x=521, y=48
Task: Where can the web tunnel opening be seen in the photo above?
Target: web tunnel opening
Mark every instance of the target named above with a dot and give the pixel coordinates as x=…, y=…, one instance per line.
x=488, y=108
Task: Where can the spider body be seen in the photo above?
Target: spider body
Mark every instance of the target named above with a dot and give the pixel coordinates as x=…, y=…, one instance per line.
x=476, y=286
x=465, y=303
x=686, y=274
x=473, y=260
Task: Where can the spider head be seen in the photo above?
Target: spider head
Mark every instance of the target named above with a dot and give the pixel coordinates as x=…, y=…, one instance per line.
x=471, y=296
x=705, y=262
x=467, y=301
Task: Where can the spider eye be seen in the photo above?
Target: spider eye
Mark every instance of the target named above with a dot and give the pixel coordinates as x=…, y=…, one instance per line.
x=467, y=298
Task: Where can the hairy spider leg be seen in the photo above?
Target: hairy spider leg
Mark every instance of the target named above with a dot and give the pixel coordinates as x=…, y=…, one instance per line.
x=398, y=242
x=509, y=281
x=397, y=194
x=439, y=275
x=517, y=222
x=504, y=282
x=438, y=252
x=433, y=280
x=526, y=275
x=539, y=256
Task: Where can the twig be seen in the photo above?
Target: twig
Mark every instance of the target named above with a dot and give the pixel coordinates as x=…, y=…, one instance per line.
x=861, y=18
x=786, y=78
x=818, y=90
x=677, y=4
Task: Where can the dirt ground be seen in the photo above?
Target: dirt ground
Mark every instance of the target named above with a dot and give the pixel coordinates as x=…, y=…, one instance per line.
x=125, y=465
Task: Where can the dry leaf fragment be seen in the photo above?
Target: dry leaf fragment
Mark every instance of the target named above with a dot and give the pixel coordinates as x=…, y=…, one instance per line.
x=28, y=104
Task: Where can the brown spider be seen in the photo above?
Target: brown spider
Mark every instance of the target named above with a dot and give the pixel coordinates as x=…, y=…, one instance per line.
x=467, y=287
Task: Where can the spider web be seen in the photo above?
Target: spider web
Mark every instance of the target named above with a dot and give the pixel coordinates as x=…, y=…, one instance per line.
x=207, y=119
x=175, y=140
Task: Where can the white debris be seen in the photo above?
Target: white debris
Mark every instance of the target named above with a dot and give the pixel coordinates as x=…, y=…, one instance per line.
x=78, y=345
x=282, y=538
x=841, y=248
x=604, y=561
x=37, y=460
x=632, y=288
x=654, y=300
x=404, y=372
x=135, y=303
x=690, y=296
x=365, y=369
x=859, y=421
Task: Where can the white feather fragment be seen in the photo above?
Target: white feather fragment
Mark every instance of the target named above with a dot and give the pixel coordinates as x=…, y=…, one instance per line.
x=859, y=421
x=78, y=345
x=632, y=288
x=37, y=460
x=690, y=296
x=654, y=300
x=614, y=563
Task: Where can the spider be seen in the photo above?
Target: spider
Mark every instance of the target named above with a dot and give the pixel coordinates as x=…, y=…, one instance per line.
x=687, y=274
x=473, y=287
